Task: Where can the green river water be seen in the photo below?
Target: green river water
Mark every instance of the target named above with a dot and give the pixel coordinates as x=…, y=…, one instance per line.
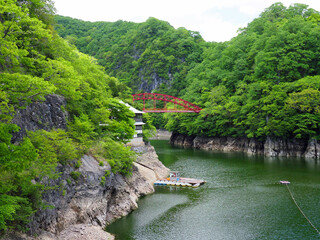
x=241, y=199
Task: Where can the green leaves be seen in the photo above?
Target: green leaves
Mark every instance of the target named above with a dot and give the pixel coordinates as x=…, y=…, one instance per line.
x=22, y=89
x=20, y=36
x=15, y=179
x=35, y=62
x=121, y=127
x=82, y=129
x=119, y=157
x=53, y=147
x=13, y=209
x=264, y=82
x=21, y=164
x=308, y=100
x=63, y=76
x=148, y=129
x=137, y=52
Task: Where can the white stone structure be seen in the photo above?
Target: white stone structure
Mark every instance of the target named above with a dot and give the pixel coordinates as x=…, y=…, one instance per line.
x=137, y=137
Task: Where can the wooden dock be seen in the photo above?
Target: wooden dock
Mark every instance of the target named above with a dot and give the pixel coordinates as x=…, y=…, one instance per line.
x=183, y=182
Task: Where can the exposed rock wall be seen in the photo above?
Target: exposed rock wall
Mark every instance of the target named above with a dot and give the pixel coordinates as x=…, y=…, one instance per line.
x=273, y=147
x=41, y=115
x=86, y=205
x=313, y=149
x=82, y=207
x=152, y=81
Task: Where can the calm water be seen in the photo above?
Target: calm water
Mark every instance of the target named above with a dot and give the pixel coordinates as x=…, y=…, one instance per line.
x=241, y=199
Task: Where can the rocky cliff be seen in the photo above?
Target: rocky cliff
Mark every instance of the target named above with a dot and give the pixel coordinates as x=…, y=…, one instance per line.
x=81, y=205
x=41, y=115
x=273, y=147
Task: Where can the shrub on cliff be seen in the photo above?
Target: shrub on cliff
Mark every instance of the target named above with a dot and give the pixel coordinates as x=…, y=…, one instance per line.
x=120, y=158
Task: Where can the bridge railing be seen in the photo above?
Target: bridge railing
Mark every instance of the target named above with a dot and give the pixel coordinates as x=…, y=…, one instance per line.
x=187, y=106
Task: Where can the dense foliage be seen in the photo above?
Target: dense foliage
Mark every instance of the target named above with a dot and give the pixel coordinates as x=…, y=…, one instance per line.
x=145, y=56
x=264, y=82
x=35, y=62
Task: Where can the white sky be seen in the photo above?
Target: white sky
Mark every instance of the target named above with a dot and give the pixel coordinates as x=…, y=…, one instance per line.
x=216, y=20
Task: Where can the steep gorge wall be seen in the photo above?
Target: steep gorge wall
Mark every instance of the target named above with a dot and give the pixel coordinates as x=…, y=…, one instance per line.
x=91, y=203
x=82, y=207
x=273, y=147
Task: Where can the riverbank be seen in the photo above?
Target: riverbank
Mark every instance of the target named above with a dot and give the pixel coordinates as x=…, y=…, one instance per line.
x=272, y=147
x=83, y=207
x=241, y=191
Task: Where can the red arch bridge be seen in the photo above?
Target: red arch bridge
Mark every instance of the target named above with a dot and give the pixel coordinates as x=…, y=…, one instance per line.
x=156, y=102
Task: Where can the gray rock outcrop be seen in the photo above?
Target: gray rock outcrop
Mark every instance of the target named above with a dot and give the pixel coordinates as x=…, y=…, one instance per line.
x=41, y=115
x=90, y=202
x=82, y=204
x=81, y=208
x=273, y=147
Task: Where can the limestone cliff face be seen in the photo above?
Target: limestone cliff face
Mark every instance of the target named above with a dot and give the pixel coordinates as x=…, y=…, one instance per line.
x=273, y=147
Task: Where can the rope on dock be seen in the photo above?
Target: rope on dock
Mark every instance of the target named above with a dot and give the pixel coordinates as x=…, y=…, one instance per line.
x=295, y=202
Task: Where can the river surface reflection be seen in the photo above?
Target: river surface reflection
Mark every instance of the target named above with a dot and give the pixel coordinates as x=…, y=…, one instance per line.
x=241, y=199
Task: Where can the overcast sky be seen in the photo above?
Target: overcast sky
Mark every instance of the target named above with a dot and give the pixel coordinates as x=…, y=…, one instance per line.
x=216, y=20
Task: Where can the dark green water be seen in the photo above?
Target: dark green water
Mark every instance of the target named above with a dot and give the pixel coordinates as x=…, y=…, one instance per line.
x=241, y=199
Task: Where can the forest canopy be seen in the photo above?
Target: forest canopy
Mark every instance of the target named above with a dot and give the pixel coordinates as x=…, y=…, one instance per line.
x=263, y=82
x=146, y=56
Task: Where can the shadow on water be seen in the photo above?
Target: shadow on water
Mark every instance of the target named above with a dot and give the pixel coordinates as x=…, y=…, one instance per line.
x=241, y=199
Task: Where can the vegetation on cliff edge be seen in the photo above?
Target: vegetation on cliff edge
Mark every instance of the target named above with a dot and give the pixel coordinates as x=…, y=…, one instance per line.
x=35, y=62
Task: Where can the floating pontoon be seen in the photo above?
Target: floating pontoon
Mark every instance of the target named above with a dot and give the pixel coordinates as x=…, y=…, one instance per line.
x=176, y=180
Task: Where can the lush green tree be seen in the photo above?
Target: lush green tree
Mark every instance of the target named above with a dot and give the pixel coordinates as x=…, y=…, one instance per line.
x=260, y=83
x=148, y=129
x=120, y=158
x=17, y=167
x=35, y=62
